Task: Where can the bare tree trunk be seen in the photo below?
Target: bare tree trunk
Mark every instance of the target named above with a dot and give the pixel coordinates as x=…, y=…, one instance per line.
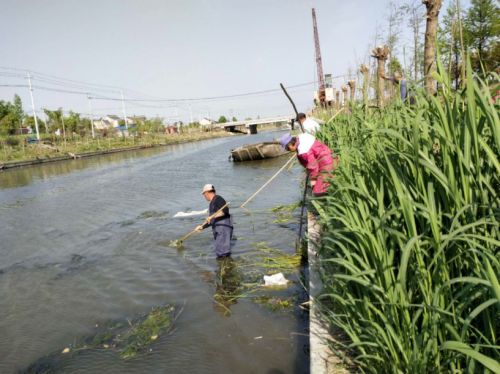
x=381, y=55
x=364, y=69
x=344, y=91
x=337, y=94
x=433, y=7
x=352, y=86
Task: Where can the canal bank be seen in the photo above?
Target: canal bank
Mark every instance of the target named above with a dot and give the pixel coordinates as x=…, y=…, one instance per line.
x=71, y=156
x=86, y=242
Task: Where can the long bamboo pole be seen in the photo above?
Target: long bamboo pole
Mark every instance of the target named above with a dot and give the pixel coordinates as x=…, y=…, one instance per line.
x=293, y=104
x=209, y=218
x=302, y=213
x=269, y=181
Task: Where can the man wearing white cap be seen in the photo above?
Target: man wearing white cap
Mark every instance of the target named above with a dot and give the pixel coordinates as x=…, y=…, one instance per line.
x=222, y=223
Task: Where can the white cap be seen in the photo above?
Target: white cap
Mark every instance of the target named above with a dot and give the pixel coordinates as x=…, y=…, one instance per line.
x=207, y=188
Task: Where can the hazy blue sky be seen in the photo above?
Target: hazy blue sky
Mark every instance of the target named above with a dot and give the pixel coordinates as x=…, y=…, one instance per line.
x=181, y=49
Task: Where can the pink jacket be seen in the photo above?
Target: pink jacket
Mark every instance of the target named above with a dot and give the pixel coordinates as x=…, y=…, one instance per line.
x=317, y=158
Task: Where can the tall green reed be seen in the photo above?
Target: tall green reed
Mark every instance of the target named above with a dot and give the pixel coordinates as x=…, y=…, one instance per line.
x=410, y=246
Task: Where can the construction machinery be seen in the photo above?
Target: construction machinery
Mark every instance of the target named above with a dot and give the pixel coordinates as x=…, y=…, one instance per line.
x=319, y=65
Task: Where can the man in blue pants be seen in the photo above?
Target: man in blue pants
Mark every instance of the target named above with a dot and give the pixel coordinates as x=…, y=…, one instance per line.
x=222, y=223
x=401, y=81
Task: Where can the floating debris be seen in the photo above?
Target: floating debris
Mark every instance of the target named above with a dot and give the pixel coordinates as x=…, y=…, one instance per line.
x=175, y=243
x=128, y=338
x=152, y=214
x=273, y=303
x=286, y=208
x=284, y=213
x=77, y=258
x=193, y=213
x=144, y=332
x=277, y=279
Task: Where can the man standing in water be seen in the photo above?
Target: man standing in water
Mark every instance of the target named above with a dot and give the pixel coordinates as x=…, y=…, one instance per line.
x=222, y=223
x=315, y=156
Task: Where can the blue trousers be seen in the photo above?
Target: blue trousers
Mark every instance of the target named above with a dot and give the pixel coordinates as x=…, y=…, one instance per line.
x=223, y=232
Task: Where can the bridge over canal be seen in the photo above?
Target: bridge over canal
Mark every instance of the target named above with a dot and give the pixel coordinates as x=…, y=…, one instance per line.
x=251, y=124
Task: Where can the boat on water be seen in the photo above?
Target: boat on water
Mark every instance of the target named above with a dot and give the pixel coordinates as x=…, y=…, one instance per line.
x=257, y=151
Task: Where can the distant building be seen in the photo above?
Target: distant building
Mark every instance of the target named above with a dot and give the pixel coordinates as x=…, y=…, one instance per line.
x=112, y=121
x=103, y=124
x=207, y=122
x=136, y=119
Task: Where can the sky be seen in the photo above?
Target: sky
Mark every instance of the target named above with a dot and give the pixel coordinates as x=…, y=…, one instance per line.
x=180, y=53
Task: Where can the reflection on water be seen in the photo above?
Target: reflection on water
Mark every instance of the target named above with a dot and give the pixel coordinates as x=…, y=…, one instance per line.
x=85, y=242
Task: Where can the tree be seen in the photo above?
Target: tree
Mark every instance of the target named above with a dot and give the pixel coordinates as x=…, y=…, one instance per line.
x=72, y=122
x=8, y=124
x=86, y=124
x=222, y=119
x=449, y=41
x=30, y=122
x=433, y=7
x=415, y=14
x=234, y=119
x=54, y=121
x=11, y=116
x=482, y=29
x=394, y=22
x=18, y=110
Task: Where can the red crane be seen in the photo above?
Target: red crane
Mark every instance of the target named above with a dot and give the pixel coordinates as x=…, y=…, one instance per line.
x=321, y=78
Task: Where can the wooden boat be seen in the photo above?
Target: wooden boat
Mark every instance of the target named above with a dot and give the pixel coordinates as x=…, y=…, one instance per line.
x=257, y=151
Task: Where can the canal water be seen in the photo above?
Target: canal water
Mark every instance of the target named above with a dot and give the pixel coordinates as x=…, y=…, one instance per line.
x=85, y=244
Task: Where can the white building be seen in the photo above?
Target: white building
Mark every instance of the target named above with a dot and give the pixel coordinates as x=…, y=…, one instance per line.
x=102, y=124
x=112, y=121
x=207, y=122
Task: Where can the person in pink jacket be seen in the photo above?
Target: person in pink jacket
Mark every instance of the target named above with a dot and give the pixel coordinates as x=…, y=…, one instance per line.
x=315, y=156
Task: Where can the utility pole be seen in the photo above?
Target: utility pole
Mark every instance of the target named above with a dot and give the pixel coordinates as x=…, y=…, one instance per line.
x=191, y=113
x=124, y=113
x=91, y=119
x=45, y=119
x=64, y=129
x=33, y=105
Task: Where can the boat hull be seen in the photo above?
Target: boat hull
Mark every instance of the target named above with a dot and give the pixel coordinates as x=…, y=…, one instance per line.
x=258, y=151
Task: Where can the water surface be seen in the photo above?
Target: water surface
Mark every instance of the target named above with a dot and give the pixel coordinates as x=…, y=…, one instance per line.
x=85, y=242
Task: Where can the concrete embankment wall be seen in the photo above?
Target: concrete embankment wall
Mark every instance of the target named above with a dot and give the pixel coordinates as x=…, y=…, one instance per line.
x=323, y=360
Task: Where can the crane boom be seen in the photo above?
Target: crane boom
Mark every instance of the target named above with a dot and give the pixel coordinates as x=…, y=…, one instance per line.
x=321, y=78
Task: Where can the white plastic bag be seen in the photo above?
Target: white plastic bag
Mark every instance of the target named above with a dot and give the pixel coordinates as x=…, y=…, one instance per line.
x=194, y=213
x=275, y=280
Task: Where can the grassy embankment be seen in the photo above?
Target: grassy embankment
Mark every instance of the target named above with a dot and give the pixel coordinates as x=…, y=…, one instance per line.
x=410, y=248
x=16, y=148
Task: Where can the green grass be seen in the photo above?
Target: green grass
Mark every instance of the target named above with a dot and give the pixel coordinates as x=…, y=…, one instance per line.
x=410, y=246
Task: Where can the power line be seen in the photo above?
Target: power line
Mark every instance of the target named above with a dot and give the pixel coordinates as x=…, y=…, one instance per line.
x=220, y=97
